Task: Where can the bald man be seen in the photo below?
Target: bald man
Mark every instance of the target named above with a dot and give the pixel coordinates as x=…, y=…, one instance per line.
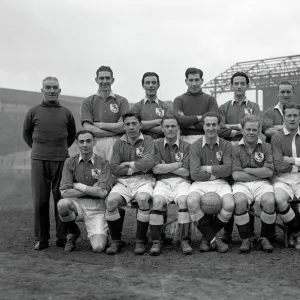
x=49, y=129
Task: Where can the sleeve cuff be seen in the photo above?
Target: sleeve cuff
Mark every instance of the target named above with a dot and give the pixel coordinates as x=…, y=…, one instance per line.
x=297, y=161
x=130, y=171
x=132, y=165
x=295, y=169
x=233, y=133
x=209, y=169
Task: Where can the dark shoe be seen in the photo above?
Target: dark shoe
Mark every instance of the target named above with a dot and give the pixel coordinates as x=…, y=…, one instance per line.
x=139, y=248
x=220, y=246
x=71, y=240
x=60, y=243
x=186, y=248
x=227, y=237
x=156, y=248
x=246, y=246
x=266, y=245
x=114, y=248
x=204, y=246
x=41, y=246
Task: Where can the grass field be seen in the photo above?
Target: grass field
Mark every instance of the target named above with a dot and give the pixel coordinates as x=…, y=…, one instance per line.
x=50, y=274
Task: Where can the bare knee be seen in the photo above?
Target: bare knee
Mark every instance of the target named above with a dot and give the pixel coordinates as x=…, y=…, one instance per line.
x=228, y=203
x=112, y=201
x=193, y=201
x=182, y=202
x=267, y=202
x=143, y=200
x=63, y=206
x=241, y=203
x=159, y=203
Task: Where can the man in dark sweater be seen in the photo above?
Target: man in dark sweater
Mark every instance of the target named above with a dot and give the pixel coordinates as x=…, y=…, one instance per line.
x=49, y=129
x=192, y=105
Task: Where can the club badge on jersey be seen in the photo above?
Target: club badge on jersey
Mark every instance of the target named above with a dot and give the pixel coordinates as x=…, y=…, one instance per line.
x=140, y=151
x=259, y=156
x=248, y=111
x=178, y=156
x=114, y=108
x=219, y=155
x=160, y=111
x=96, y=173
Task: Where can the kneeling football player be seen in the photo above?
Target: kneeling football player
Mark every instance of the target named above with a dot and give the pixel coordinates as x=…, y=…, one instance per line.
x=172, y=172
x=252, y=168
x=210, y=164
x=132, y=162
x=86, y=181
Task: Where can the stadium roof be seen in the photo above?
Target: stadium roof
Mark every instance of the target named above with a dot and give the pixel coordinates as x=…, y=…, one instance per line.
x=263, y=73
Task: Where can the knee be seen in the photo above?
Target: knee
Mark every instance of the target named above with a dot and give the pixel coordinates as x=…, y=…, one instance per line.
x=267, y=202
x=193, y=201
x=111, y=203
x=63, y=206
x=241, y=203
x=158, y=203
x=228, y=203
x=143, y=201
x=182, y=202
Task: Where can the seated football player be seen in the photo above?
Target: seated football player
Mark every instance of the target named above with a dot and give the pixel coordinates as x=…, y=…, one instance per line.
x=252, y=168
x=286, y=150
x=86, y=181
x=171, y=170
x=210, y=165
x=132, y=162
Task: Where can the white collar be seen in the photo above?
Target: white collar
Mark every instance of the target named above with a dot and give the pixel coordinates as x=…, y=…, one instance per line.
x=204, y=141
x=286, y=132
x=124, y=137
x=176, y=142
x=279, y=108
x=242, y=142
x=155, y=100
x=111, y=94
x=245, y=100
x=92, y=159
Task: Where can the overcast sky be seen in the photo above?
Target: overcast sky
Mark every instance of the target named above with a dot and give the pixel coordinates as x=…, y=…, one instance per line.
x=70, y=39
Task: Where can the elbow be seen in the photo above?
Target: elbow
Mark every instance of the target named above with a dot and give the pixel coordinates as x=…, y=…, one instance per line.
x=155, y=170
x=235, y=176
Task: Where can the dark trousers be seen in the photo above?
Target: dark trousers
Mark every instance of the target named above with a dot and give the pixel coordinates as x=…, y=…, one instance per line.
x=46, y=175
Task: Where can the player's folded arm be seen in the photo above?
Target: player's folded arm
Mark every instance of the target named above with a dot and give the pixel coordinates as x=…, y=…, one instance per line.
x=184, y=121
x=196, y=170
x=224, y=170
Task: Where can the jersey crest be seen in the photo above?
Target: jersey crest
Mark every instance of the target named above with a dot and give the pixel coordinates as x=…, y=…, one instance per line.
x=140, y=151
x=160, y=111
x=219, y=155
x=259, y=156
x=248, y=111
x=114, y=108
x=96, y=173
x=178, y=156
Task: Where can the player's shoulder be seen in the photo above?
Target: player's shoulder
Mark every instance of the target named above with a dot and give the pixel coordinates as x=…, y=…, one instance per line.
x=148, y=138
x=265, y=146
x=101, y=160
x=197, y=144
x=224, y=143
x=278, y=136
x=120, y=98
x=90, y=99
x=72, y=160
x=225, y=105
x=184, y=144
x=159, y=141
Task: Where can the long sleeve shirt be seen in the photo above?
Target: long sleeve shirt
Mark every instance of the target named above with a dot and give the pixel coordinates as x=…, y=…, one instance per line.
x=232, y=112
x=284, y=144
x=49, y=129
x=178, y=152
x=260, y=157
x=219, y=158
x=141, y=153
x=188, y=106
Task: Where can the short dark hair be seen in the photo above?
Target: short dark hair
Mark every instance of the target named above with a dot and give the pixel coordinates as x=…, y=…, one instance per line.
x=104, y=69
x=241, y=74
x=170, y=117
x=290, y=106
x=193, y=71
x=83, y=131
x=147, y=74
x=131, y=114
x=285, y=82
x=50, y=78
x=250, y=119
x=212, y=114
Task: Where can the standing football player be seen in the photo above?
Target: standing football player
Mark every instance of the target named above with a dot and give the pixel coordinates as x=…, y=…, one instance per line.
x=132, y=162
x=171, y=171
x=252, y=168
x=210, y=165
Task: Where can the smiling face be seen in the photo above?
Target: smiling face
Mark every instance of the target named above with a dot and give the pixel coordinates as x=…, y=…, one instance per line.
x=291, y=118
x=151, y=86
x=250, y=132
x=85, y=143
x=51, y=90
x=194, y=82
x=211, y=127
x=104, y=81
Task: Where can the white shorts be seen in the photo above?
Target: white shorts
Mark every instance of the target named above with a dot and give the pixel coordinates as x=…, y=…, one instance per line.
x=253, y=190
x=104, y=146
x=219, y=186
x=130, y=187
x=92, y=213
x=190, y=138
x=171, y=188
x=290, y=183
